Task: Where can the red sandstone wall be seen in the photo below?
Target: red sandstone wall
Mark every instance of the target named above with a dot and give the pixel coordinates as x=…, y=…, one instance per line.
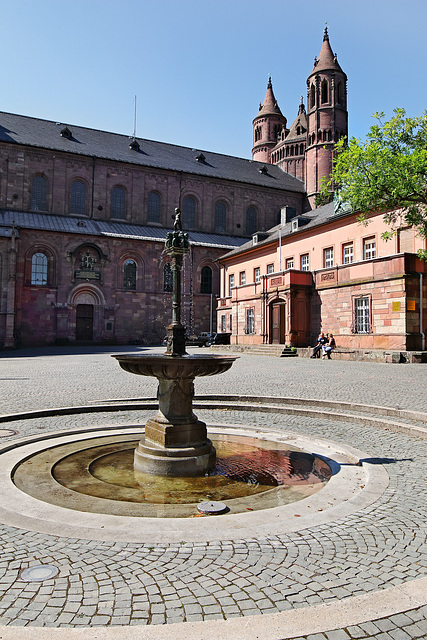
x=47, y=314
x=61, y=169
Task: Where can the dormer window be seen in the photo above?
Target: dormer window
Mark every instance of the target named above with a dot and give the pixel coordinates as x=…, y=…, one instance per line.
x=66, y=133
x=200, y=158
x=263, y=170
x=294, y=225
x=134, y=145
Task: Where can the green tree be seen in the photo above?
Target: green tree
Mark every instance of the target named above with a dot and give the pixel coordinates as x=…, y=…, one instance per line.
x=386, y=173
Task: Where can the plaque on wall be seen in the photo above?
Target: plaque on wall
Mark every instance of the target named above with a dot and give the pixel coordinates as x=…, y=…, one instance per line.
x=83, y=274
x=330, y=275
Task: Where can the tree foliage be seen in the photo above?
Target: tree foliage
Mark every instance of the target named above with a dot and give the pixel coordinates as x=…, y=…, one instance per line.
x=386, y=173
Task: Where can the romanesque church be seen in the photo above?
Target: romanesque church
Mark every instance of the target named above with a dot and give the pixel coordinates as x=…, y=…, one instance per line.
x=84, y=215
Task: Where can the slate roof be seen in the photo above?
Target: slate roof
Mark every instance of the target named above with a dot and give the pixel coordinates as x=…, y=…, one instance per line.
x=46, y=222
x=33, y=132
x=317, y=217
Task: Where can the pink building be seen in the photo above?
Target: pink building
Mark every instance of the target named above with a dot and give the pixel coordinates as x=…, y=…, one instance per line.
x=323, y=271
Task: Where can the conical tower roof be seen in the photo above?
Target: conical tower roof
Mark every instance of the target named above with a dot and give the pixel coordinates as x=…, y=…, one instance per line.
x=327, y=60
x=269, y=106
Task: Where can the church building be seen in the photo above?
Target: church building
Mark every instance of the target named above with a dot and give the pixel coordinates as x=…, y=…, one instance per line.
x=84, y=214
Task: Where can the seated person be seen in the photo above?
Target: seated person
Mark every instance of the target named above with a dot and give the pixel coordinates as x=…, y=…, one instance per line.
x=321, y=340
x=327, y=348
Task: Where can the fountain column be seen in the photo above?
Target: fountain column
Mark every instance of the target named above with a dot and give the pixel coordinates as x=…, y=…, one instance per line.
x=175, y=441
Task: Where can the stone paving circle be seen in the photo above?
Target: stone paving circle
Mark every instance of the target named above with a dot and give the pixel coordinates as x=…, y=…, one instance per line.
x=357, y=571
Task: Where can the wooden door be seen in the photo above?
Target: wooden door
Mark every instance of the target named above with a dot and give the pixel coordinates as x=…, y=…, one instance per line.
x=277, y=332
x=84, y=322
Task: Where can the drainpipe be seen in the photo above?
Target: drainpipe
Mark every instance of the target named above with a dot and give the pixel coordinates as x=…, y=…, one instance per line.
x=423, y=335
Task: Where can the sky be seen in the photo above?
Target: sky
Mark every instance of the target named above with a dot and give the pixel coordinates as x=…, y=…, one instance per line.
x=199, y=68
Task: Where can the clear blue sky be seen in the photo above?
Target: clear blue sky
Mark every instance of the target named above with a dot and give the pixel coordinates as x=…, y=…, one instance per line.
x=199, y=68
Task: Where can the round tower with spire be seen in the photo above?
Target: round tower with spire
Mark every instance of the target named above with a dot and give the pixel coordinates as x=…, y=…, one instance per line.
x=266, y=126
x=327, y=116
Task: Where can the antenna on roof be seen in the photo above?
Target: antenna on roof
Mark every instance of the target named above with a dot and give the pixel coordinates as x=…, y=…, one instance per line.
x=134, y=120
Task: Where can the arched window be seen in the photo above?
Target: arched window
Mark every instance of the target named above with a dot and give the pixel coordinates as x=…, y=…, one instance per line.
x=220, y=217
x=129, y=275
x=257, y=134
x=189, y=213
x=324, y=91
x=39, y=193
x=251, y=221
x=167, y=278
x=340, y=93
x=153, y=207
x=206, y=280
x=39, y=269
x=118, y=203
x=312, y=96
x=78, y=197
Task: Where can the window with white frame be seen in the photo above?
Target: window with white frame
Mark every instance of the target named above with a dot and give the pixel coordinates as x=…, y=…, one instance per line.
x=39, y=269
x=305, y=262
x=328, y=257
x=289, y=263
x=270, y=268
x=257, y=275
x=347, y=253
x=362, y=315
x=230, y=283
x=250, y=320
x=242, y=277
x=369, y=248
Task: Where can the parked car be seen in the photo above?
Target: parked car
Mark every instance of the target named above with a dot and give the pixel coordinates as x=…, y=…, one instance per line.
x=220, y=338
x=202, y=340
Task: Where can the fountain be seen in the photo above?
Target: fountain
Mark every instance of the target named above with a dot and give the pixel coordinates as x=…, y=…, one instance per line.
x=175, y=441
x=172, y=471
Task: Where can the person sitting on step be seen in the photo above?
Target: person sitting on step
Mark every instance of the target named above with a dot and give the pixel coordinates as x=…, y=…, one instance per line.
x=321, y=340
x=327, y=348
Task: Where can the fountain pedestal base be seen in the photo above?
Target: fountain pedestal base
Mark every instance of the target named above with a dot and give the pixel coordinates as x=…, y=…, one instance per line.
x=176, y=442
x=174, y=461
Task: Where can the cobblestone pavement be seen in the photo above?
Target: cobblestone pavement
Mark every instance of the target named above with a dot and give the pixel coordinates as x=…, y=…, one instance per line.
x=101, y=583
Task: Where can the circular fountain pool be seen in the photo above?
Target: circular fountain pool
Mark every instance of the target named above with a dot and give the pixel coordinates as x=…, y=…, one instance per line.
x=97, y=475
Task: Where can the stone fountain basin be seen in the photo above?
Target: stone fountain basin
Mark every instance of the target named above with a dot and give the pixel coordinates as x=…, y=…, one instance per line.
x=175, y=367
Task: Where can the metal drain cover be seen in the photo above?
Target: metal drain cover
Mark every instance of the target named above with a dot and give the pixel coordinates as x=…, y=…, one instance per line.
x=212, y=508
x=39, y=573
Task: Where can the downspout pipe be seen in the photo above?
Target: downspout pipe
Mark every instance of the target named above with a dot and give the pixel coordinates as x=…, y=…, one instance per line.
x=423, y=335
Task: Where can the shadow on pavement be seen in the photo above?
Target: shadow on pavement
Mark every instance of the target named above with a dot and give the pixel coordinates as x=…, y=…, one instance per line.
x=35, y=352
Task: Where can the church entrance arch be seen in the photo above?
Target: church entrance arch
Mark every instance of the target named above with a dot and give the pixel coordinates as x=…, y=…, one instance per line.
x=88, y=304
x=277, y=332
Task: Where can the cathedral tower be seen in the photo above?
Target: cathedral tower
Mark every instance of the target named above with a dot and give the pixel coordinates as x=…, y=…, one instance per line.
x=267, y=126
x=327, y=117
